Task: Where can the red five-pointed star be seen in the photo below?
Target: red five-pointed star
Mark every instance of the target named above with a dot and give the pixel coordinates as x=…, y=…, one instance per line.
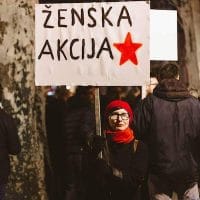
x=128, y=49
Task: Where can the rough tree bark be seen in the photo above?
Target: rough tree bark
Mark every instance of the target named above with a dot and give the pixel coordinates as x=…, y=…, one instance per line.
x=22, y=99
x=190, y=15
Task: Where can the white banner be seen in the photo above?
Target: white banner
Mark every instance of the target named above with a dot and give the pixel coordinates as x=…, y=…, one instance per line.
x=92, y=44
x=163, y=35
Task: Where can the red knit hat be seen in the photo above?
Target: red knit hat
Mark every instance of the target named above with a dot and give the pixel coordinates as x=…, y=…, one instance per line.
x=118, y=104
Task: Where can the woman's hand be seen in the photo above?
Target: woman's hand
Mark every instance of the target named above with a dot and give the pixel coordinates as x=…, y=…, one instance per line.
x=116, y=172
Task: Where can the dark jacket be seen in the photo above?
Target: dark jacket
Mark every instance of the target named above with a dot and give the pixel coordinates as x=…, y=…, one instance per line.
x=78, y=127
x=168, y=121
x=54, y=120
x=79, y=124
x=132, y=164
x=9, y=144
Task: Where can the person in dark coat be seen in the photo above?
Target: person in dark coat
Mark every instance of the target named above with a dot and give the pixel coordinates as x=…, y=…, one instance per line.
x=122, y=174
x=9, y=145
x=55, y=107
x=168, y=121
x=79, y=126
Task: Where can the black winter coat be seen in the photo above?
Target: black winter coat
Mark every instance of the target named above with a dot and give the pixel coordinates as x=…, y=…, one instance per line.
x=169, y=122
x=78, y=125
x=9, y=144
x=133, y=166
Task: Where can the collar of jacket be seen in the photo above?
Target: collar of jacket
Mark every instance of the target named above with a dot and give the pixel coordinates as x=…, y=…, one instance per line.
x=171, y=90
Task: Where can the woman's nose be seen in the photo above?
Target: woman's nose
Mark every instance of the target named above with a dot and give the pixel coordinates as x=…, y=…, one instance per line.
x=119, y=118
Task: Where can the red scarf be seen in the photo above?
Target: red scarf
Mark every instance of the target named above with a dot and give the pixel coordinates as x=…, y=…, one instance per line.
x=124, y=136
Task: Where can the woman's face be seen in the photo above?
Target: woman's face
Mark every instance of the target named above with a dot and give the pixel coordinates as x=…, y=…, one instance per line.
x=118, y=120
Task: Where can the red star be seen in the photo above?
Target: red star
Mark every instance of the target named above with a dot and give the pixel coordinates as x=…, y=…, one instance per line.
x=128, y=49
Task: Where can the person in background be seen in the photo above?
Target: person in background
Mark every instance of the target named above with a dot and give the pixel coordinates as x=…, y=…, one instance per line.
x=168, y=122
x=151, y=86
x=113, y=93
x=55, y=106
x=134, y=96
x=9, y=145
x=78, y=127
x=121, y=175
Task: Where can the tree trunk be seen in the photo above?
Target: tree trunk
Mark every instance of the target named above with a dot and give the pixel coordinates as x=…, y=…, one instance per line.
x=22, y=99
x=190, y=15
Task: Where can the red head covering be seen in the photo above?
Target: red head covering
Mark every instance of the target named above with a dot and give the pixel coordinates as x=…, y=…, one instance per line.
x=118, y=104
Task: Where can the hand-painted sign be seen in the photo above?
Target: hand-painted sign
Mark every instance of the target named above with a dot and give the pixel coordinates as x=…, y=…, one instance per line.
x=92, y=43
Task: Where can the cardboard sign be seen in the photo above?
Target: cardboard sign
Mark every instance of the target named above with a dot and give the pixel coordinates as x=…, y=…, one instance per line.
x=92, y=44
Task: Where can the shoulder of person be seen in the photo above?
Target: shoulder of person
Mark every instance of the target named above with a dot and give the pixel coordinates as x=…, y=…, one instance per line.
x=147, y=101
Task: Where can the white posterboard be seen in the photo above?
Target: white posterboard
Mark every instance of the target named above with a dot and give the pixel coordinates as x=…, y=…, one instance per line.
x=163, y=35
x=92, y=44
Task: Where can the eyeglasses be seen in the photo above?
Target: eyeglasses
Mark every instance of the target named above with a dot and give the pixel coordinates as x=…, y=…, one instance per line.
x=115, y=116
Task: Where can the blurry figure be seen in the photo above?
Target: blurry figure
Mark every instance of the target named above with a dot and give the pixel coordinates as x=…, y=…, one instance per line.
x=122, y=175
x=153, y=84
x=134, y=96
x=168, y=121
x=9, y=145
x=61, y=93
x=113, y=93
x=55, y=106
x=78, y=128
x=48, y=91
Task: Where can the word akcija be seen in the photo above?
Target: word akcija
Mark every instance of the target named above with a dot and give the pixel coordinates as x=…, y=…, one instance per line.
x=82, y=17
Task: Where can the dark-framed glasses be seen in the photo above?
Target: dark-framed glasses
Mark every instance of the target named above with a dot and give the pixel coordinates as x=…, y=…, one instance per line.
x=123, y=116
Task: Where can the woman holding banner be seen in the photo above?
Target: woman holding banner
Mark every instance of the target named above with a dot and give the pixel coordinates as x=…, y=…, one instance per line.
x=122, y=175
